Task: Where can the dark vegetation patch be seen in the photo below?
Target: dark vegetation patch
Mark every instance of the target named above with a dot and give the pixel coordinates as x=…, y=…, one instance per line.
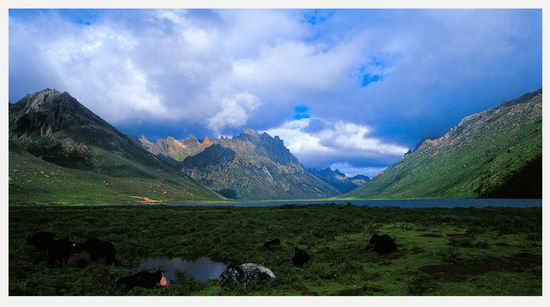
x=421, y=284
x=359, y=291
x=431, y=235
x=462, y=269
x=334, y=236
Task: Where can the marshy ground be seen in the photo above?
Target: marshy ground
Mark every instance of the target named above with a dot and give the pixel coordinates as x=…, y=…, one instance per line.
x=441, y=251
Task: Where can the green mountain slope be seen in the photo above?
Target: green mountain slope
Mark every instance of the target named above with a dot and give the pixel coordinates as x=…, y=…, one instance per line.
x=495, y=153
x=65, y=135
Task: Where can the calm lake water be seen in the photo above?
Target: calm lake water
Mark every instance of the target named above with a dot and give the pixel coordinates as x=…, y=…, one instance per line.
x=202, y=269
x=409, y=203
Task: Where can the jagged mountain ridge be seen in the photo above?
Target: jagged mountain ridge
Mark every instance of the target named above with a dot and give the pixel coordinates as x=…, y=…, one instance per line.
x=254, y=166
x=171, y=148
x=494, y=153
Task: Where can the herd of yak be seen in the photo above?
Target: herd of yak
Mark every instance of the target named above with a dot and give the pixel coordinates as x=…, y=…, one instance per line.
x=59, y=251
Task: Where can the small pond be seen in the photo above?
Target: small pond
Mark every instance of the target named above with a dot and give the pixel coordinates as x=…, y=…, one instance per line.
x=202, y=269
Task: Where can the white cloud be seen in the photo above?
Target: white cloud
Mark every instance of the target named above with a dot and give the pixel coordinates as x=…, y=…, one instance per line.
x=177, y=65
x=340, y=140
x=223, y=70
x=235, y=112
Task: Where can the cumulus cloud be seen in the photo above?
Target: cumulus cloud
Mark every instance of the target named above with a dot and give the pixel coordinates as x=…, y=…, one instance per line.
x=235, y=111
x=398, y=74
x=335, y=141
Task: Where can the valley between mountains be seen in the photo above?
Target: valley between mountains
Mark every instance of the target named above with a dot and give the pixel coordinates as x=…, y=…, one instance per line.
x=62, y=153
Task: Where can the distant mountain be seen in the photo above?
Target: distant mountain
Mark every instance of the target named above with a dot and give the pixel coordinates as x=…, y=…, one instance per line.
x=360, y=180
x=57, y=129
x=338, y=180
x=254, y=166
x=495, y=153
x=171, y=148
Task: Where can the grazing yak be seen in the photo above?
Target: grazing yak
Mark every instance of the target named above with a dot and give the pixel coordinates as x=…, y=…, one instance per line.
x=98, y=249
x=41, y=240
x=271, y=244
x=300, y=257
x=143, y=279
x=383, y=244
x=59, y=251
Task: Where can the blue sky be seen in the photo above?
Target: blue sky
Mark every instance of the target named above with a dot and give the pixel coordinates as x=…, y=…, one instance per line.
x=352, y=89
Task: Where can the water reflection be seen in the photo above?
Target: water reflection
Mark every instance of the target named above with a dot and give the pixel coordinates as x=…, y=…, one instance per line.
x=202, y=269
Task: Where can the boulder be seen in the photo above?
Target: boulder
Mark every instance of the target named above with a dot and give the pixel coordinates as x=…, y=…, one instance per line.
x=246, y=273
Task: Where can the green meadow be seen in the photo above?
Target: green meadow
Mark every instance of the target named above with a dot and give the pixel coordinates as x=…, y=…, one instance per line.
x=441, y=251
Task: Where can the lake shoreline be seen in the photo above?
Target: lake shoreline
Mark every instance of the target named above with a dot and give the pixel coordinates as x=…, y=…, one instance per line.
x=400, y=203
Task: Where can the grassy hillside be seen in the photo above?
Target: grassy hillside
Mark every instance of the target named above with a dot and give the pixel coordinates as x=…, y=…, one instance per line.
x=35, y=181
x=496, y=153
x=61, y=152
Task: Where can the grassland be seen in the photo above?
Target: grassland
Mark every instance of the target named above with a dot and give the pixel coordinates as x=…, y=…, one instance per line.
x=33, y=180
x=442, y=251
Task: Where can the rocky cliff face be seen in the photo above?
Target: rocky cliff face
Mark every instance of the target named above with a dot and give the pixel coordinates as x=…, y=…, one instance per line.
x=485, y=152
x=254, y=166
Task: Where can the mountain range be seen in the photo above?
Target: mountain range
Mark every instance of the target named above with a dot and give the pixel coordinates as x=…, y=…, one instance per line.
x=54, y=138
x=61, y=152
x=491, y=154
x=248, y=166
x=338, y=180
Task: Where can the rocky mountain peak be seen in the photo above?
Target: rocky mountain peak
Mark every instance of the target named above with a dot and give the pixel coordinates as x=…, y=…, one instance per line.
x=49, y=112
x=37, y=99
x=206, y=141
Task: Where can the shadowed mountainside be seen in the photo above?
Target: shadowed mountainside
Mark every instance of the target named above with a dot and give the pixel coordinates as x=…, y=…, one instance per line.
x=496, y=153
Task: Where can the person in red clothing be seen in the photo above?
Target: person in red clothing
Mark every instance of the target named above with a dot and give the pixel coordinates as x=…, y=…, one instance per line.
x=164, y=281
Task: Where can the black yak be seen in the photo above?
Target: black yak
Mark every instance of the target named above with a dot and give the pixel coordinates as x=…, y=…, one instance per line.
x=59, y=251
x=143, y=279
x=383, y=244
x=98, y=249
x=41, y=240
x=300, y=258
x=272, y=243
